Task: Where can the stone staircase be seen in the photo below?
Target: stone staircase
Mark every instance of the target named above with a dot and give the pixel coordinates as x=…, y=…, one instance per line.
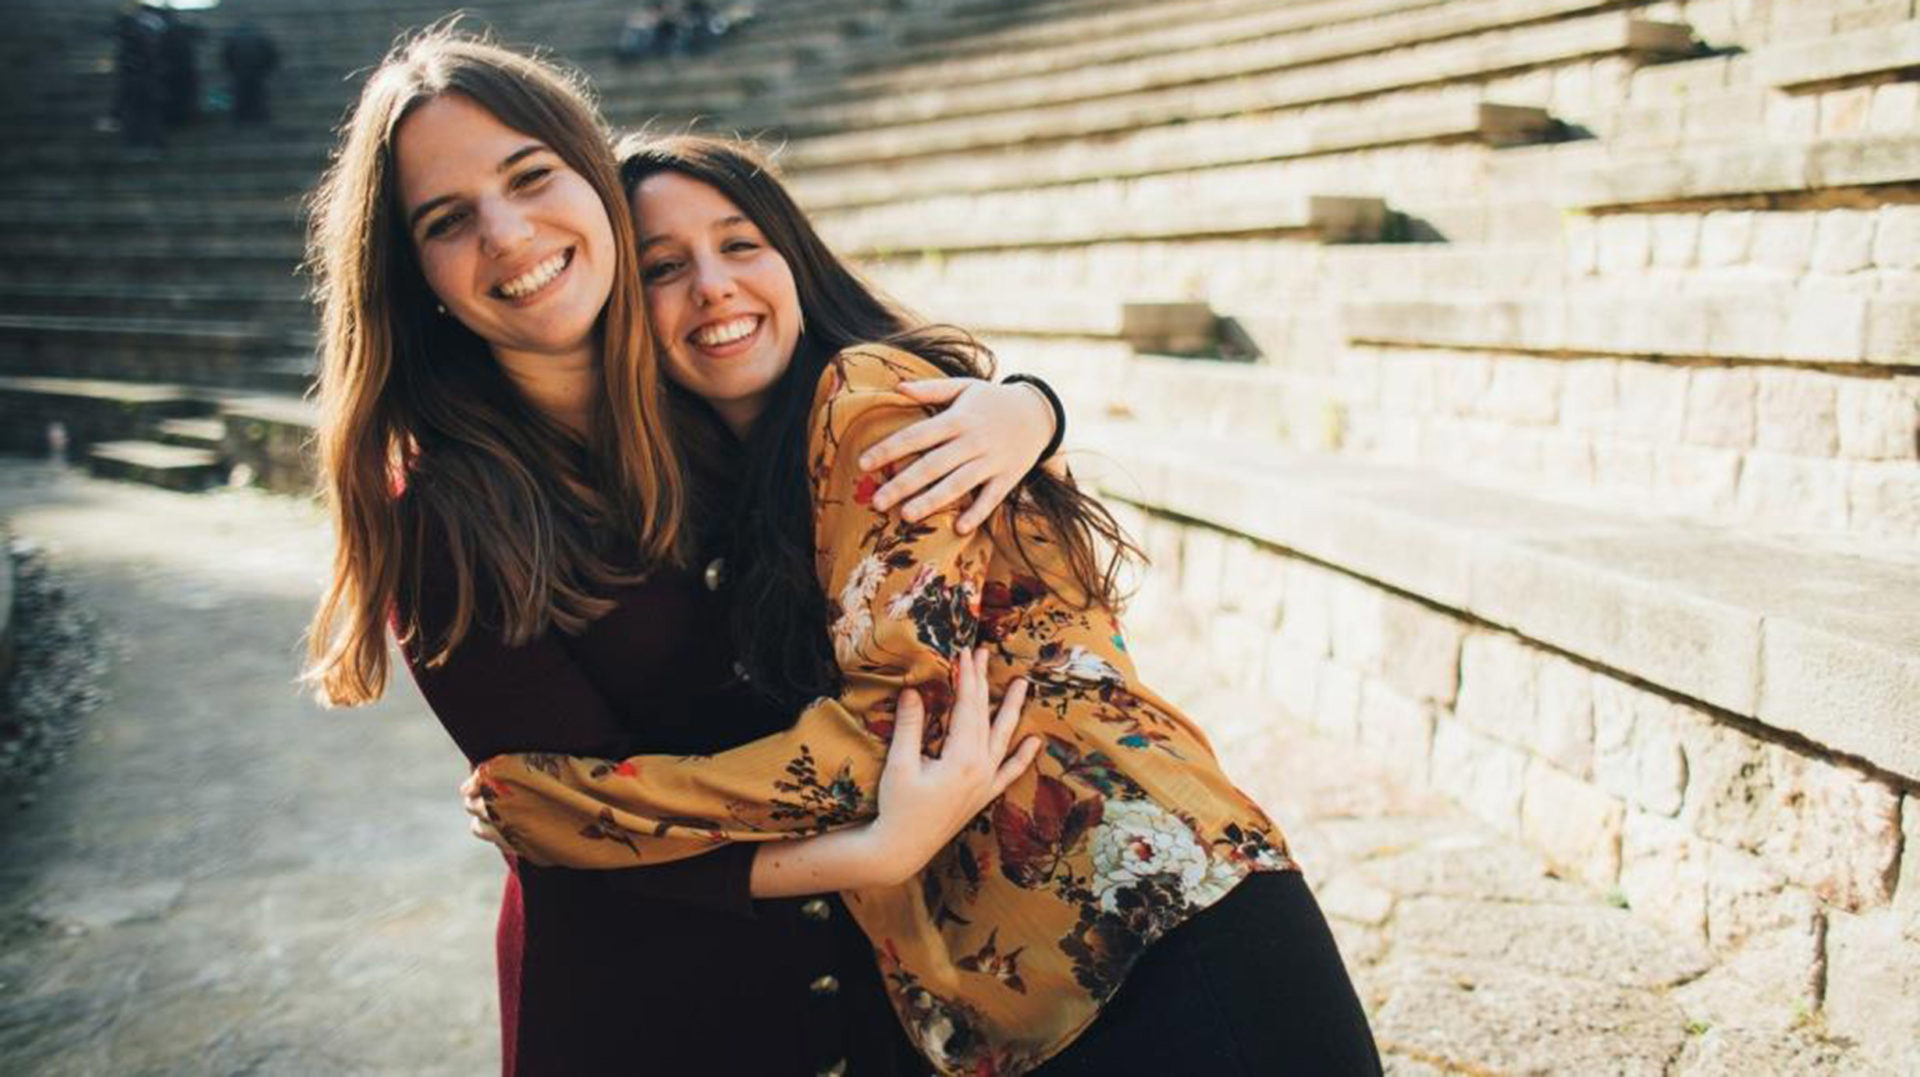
x=1524, y=394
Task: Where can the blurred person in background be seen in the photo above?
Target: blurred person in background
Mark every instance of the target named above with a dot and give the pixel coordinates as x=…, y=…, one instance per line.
x=249, y=55
x=139, y=106
x=179, y=67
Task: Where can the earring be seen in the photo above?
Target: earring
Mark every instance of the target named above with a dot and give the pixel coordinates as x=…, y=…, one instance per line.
x=441, y=307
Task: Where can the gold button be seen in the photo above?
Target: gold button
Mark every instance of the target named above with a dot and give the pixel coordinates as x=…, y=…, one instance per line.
x=816, y=909
x=838, y=1069
x=825, y=985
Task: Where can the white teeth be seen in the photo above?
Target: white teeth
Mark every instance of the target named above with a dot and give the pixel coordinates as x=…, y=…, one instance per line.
x=726, y=332
x=534, y=279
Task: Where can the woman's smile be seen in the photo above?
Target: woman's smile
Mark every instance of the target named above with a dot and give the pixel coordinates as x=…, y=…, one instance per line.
x=524, y=288
x=727, y=337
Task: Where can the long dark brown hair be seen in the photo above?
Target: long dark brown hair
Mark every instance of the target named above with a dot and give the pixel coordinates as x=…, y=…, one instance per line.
x=778, y=608
x=532, y=526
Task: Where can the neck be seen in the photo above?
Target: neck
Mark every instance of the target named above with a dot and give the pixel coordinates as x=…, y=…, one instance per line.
x=562, y=387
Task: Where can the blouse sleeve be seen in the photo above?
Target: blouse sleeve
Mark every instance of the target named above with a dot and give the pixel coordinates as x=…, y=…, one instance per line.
x=494, y=698
x=902, y=598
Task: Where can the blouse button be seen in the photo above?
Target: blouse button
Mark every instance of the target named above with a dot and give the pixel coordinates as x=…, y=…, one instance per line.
x=824, y=986
x=740, y=671
x=716, y=573
x=816, y=909
x=838, y=1069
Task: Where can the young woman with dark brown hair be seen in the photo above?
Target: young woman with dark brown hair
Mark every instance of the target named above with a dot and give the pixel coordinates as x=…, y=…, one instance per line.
x=511, y=502
x=1122, y=908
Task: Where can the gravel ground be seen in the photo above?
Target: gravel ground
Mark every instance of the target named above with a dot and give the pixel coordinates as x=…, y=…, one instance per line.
x=59, y=661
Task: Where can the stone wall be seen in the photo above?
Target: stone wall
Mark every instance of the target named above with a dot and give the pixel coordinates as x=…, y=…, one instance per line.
x=1784, y=859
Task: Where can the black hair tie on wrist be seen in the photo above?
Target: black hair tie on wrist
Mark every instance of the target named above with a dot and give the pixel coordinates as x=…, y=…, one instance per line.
x=1053, y=400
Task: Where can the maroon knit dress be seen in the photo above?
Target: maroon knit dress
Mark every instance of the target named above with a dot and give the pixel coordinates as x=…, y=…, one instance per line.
x=666, y=969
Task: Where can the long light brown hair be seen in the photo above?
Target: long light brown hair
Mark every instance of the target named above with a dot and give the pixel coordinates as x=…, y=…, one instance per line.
x=421, y=433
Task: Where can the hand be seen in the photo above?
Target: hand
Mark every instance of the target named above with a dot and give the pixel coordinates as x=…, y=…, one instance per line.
x=923, y=801
x=986, y=441
x=481, y=824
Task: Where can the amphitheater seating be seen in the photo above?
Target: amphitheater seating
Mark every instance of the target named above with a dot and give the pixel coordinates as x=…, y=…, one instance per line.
x=1581, y=331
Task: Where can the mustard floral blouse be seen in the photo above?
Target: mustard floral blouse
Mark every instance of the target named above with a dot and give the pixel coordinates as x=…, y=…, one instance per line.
x=1004, y=948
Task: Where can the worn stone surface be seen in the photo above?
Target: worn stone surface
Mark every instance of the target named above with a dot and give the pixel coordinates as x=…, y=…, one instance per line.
x=1484, y=775
x=1499, y=686
x=1593, y=942
x=1663, y=874
x=1873, y=976
x=1575, y=824
x=1830, y=828
x=159, y=915
x=1423, y=649
x=1637, y=754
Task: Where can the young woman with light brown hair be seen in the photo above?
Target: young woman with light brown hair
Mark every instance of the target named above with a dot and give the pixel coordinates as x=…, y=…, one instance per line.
x=512, y=503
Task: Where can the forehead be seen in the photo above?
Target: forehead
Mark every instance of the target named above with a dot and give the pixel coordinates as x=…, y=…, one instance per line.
x=670, y=204
x=448, y=145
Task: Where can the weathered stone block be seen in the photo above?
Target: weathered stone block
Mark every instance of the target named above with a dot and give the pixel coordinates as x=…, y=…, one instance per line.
x=1697, y=480
x=1793, y=492
x=1883, y=500
x=1792, y=118
x=1637, y=753
x=1845, y=111
x=1827, y=827
x=1523, y=391
x=1499, y=686
x=1396, y=731
x=1795, y=412
x=1422, y=649
x=1622, y=464
x=1652, y=401
x=1588, y=394
x=1202, y=564
x=1576, y=825
x=1291, y=679
x=1896, y=105
x=1676, y=239
x=1337, y=702
x=1254, y=581
x=1720, y=407
x=1356, y=614
x=1783, y=242
x=1873, y=978
x=1906, y=895
x=1896, y=237
x=1843, y=241
x=1879, y=418
x=1626, y=243
x=1306, y=619
x=1563, y=727
x=1663, y=874
x=1481, y=774
x=1892, y=331
x=1726, y=237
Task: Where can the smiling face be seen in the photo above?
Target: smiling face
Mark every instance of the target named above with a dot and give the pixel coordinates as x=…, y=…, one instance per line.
x=516, y=244
x=722, y=300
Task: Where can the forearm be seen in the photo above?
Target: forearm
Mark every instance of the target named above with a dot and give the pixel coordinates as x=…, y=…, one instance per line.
x=852, y=859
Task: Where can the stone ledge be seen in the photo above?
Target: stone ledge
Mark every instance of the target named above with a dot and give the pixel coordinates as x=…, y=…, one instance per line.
x=1173, y=67
x=1446, y=61
x=1692, y=175
x=1822, y=644
x=1323, y=218
x=1804, y=65
x=1235, y=140
x=1805, y=327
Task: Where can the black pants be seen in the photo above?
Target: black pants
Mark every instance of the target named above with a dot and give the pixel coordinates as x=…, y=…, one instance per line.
x=1252, y=987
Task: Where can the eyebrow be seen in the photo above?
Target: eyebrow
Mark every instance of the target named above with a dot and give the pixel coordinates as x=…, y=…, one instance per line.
x=724, y=222
x=511, y=159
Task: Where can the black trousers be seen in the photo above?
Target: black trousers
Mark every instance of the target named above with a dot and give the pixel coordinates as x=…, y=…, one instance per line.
x=1252, y=987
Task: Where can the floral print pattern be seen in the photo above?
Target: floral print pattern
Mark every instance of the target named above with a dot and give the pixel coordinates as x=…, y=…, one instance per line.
x=1004, y=947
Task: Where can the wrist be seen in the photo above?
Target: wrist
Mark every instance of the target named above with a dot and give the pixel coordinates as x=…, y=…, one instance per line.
x=1056, y=412
x=889, y=857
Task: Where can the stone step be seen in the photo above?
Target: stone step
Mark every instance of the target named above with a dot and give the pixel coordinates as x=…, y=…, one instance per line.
x=1437, y=63
x=1207, y=63
x=270, y=440
x=90, y=410
x=170, y=467
x=1109, y=38
x=1763, y=629
x=202, y=353
x=1031, y=221
x=280, y=304
x=1668, y=177
x=208, y=434
x=1793, y=326
x=1177, y=148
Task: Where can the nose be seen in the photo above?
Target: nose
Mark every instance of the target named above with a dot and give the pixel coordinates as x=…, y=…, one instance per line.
x=503, y=227
x=712, y=281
